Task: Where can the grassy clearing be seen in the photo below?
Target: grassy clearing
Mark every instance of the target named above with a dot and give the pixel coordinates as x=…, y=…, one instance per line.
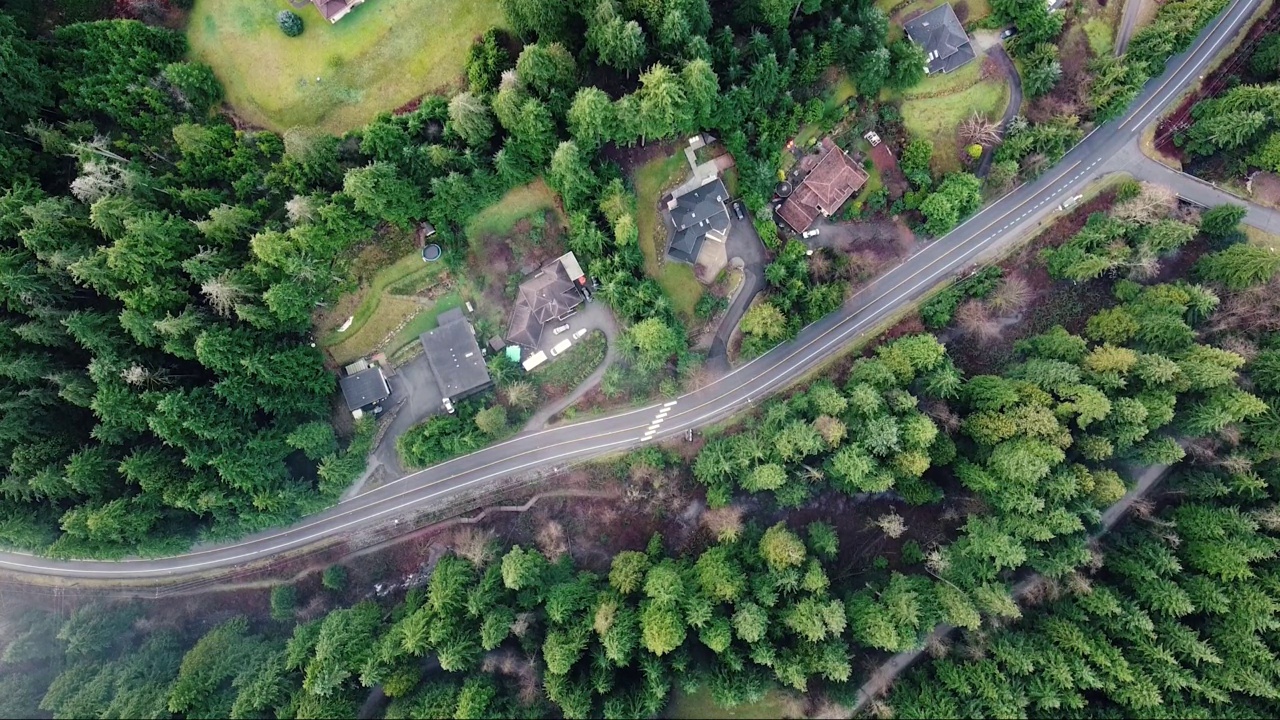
x=1262, y=238
x=334, y=77
x=518, y=203
x=978, y=9
x=700, y=705
x=936, y=118
x=676, y=279
x=1101, y=31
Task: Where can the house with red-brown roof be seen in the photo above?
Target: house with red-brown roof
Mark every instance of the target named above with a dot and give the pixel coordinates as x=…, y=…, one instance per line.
x=335, y=10
x=833, y=180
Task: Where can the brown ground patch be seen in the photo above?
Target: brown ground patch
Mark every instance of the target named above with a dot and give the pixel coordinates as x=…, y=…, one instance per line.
x=1265, y=188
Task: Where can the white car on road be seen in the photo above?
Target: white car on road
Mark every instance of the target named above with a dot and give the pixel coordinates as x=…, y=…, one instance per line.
x=560, y=347
x=578, y=335
x=560, y=330
x=811, y=233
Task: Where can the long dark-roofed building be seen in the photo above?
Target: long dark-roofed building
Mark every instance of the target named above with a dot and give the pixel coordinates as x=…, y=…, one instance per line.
x=939, y=32
x=696, y=216
x=455, y=357
x=548, y=295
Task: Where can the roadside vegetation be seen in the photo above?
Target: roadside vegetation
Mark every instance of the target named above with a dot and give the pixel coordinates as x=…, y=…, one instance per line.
x=1227, y=132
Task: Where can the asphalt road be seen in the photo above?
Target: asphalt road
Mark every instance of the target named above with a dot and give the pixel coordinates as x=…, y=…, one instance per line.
x=994, y=228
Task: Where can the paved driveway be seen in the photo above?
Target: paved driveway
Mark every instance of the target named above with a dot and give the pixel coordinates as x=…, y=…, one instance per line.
x=415, y=384
x=593, y=316
x=743, y=243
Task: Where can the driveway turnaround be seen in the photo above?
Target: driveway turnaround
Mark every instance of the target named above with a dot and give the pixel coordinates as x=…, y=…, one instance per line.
x=997, y=227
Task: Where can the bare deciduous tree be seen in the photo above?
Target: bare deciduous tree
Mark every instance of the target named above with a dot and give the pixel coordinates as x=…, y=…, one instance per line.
x=973, y=318
x=724, y=523
x=474, y=544
x=300, y=209
x=223, y=294
x=520, y=394
x=937, y=562
x=978, y=130
x=551, y=540
x=892, y=525
x=1011, y=297
x=1153, y=202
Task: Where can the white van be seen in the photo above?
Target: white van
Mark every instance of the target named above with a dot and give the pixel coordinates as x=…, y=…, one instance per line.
x=561, y=347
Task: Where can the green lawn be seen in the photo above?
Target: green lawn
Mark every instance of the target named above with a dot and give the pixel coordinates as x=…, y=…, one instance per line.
x=518, y=203
x=676, y=279
x=335, y=77
x=936, y=118
x=1262, y=238
x=383, y=308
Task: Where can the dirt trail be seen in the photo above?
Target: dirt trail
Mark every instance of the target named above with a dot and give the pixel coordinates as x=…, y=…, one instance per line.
x=882, y=679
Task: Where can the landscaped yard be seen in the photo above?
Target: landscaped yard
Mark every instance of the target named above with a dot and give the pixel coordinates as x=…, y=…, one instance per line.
x=388, y=306
x=676, y=279
x=334, y=77
x=936, y=107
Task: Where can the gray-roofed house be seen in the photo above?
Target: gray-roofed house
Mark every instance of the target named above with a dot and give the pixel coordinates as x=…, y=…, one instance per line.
x=939, y=32
x=455, y=358
x=548, y=295
x=698, y=215
x=364, y=390
x=335, y=10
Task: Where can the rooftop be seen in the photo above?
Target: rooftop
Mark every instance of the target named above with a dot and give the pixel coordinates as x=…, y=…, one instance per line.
x=829, y=185
x=695, y=216
x=455, y=357
x=546, y=296
x=939, y=32
x=335, y=10
x=364, y=388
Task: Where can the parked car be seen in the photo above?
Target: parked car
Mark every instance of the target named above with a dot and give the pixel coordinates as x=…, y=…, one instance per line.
x=811, y=233
x=737, y=209
x=560, y=347
x=578, y=335
x=1070, y=202
x=560, y=330
x=448, y=406
x=1008, y=33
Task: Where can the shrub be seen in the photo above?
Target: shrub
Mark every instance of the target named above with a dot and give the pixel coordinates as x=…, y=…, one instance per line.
x=334, y=578
x=289, y=22
x=283, y=600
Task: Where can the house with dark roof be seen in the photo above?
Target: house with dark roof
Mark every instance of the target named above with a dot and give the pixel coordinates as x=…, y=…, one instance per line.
x=335, y=10
x=549, y=295
x=833, y=180
x=364, y=390
x=697, y=215
x=946, y=44
x=455, y=358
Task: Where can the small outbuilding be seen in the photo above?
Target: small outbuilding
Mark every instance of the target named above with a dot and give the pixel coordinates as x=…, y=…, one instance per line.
x=364, y=390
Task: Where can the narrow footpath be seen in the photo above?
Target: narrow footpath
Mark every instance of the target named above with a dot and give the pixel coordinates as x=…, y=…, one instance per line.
x=882, y=679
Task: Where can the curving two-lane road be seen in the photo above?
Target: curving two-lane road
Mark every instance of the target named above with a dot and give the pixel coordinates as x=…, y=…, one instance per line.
x=992, y=229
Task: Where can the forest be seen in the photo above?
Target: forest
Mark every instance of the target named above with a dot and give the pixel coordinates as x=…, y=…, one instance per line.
x=1174, y=614
x=159, y=266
